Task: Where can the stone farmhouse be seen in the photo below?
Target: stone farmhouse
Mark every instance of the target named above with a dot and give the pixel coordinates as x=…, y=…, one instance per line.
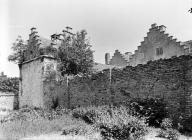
x=156, y=45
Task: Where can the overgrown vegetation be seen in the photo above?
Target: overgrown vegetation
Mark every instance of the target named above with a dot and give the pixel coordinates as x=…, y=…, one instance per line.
x=75, y=54
x=9, y=85
x=153, y=109
x=186, y=125
x=110, y=122
x=113, y=122
x=167, y=131
x=33, y=122
x=18, y=51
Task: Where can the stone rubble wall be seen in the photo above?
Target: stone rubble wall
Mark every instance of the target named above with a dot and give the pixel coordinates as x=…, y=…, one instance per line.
x=31, y=85
x=7, y=101
x=170, y=79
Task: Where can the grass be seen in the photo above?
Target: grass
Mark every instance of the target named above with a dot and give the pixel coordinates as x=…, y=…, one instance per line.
x=24, y=128
x=82, y=123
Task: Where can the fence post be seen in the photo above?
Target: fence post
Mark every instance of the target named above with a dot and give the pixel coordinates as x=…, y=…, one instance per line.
x=68, y=93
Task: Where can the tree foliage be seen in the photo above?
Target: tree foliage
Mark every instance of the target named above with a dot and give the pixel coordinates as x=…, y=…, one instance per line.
x=18, y=49
x=75, y=54
x=9, y=84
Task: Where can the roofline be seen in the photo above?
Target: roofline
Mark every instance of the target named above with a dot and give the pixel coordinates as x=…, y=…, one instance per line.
x=36, y=58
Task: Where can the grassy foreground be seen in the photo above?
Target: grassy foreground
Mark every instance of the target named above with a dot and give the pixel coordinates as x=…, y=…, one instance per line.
x=97, y=123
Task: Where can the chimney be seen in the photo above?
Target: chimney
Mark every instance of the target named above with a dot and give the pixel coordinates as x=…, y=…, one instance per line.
x=33, y=29
x=107, y=58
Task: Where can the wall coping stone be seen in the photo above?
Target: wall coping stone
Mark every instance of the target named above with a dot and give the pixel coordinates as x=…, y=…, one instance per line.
x=36, y=58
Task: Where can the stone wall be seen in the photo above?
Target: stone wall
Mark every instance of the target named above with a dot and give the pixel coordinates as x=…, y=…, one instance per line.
x=169, y=79
x=33, y=73
x=7, y=101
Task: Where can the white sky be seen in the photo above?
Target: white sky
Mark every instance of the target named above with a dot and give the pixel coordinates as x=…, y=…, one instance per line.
x=111, y=24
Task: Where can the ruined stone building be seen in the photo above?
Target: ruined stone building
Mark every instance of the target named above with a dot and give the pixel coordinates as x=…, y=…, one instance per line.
x=35, y=90
x=156, y=45
x=33, y=71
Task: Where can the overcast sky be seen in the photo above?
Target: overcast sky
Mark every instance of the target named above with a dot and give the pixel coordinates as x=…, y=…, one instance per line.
x=111, y=24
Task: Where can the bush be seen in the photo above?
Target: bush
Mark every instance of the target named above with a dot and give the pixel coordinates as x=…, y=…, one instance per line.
x=89, y=114
x=167, y=131
x=119, y=124
x=79, y=129
x=170, y=134
x=186, y=125
x=113, y=122
x=166, y=123
x=153, y=109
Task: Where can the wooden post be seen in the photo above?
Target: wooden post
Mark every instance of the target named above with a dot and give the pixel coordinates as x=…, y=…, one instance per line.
x=68, y=93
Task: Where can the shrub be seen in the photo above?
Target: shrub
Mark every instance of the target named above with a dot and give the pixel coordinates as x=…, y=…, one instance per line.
x=79, y=129
x=119, y=124
x=167, y=131
x=113, y=122
x=89, y=114
x=186, y=125
x=170, y=134
x=153, y=109
x=166, y=123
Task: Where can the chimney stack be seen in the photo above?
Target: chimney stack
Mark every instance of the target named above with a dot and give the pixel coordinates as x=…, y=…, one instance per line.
x=107, y=58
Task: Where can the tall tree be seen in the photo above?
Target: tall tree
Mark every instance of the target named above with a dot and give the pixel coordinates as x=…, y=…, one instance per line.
x=18, y=49
x=75, y=55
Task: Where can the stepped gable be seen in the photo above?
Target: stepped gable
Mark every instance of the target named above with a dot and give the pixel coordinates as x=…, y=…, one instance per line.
x=187, y=46
x=162, y=31
x=44, y=42
x=119, y=59
x=156, y=45
x=36, y=45
x=127, y=56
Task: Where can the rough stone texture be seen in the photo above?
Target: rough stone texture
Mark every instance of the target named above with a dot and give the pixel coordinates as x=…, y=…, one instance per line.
x=7, y=101
x=33, y=73
x=169, y=79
